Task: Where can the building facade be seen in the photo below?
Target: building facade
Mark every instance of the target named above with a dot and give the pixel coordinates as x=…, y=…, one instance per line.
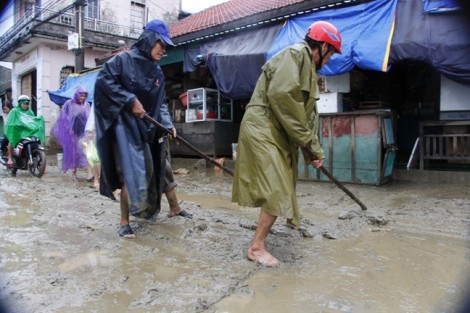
x=47, y=40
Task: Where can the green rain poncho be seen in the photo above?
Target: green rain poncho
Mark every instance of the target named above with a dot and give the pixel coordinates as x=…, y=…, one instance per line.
x=281, y=116
x=22, y=124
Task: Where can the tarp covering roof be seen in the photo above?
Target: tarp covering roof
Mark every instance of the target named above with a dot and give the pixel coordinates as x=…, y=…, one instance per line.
x=442, y=40
x=85, y=79
x=235, y=62
x=365, y=29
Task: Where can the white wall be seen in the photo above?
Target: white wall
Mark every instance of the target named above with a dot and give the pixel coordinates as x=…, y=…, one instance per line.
x=48, y=61
x=53, y=61
x=27, y=63
x=454, y=96
x=118, y=11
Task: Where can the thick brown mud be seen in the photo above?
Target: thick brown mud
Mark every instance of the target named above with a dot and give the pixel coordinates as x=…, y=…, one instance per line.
x=60, y=251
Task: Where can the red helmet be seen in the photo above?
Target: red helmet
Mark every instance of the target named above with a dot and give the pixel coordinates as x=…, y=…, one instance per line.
x=325, y=32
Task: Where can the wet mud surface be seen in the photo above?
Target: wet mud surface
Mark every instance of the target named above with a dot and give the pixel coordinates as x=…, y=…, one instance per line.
x=60, y=251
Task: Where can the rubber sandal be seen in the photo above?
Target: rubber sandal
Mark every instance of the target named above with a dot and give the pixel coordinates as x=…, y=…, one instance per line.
x=126, y=231
x=182, y=213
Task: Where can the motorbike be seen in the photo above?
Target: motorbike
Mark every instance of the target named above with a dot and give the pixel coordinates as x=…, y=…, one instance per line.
x=28, y=155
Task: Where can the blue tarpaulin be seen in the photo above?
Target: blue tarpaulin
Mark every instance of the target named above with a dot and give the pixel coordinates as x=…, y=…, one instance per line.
x=366, y=31
x=235, y=61
x=86, y=80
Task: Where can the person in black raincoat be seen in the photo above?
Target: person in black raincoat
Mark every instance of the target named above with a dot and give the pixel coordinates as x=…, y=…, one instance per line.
x=129, y=86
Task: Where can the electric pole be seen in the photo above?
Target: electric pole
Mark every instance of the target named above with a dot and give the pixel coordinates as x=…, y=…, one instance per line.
x=79, y=27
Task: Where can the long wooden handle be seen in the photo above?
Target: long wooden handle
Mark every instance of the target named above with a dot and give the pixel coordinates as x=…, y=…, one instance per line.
x=341, y=186
x=187, y=144
x=334, y=180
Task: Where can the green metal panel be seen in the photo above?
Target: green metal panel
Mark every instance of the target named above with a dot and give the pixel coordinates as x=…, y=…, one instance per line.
x=354, y=147
x=390, y=155
x=341, y=158
x=366, y=160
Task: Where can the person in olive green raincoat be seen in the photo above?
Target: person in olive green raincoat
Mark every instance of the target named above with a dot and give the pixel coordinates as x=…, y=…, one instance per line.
x=281, y=117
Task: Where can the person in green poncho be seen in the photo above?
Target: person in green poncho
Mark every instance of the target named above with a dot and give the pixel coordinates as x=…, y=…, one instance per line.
x=281, y=117
x=22, y=123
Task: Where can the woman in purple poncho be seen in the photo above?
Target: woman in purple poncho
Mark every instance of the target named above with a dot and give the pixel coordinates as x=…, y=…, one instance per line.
x=69, y=129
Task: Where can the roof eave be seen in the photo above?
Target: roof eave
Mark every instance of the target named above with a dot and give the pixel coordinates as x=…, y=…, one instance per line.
x=263, y=19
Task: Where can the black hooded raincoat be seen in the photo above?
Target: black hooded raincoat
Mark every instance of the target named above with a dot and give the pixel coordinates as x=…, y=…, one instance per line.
x=128, y=146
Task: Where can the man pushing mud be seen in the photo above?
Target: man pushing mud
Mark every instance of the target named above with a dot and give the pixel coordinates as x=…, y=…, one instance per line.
x=281, y=117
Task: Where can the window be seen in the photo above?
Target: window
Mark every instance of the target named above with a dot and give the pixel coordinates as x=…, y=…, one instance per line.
x=28, y=6
x=137, y=15
x=64, y=73
x=92, y=10
x=65, y=19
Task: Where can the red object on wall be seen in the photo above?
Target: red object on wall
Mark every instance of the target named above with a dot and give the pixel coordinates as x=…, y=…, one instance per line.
x=208, y=115
x=184, y=99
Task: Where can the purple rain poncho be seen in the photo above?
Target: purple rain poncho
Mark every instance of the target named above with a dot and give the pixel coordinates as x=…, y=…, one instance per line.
x=69, y=129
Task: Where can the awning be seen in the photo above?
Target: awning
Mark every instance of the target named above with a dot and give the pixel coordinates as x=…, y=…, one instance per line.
x=86, y=80
x=173, y=55
x=366, y=31
x=235, y=61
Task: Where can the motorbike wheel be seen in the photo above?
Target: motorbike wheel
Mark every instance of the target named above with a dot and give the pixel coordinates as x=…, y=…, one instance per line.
x=39, y=163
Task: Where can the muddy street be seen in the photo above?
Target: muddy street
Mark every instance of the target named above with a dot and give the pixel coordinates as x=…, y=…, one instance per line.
x=60, y=251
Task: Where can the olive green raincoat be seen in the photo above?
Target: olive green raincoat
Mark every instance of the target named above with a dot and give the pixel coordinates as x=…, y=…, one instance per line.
x=281, y=116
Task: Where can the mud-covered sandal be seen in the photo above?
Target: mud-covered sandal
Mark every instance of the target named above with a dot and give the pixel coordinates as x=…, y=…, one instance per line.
x=126, y=231
x=182, y=213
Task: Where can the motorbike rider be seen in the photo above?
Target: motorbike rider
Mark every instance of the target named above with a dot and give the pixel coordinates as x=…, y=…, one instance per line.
x=22, y=123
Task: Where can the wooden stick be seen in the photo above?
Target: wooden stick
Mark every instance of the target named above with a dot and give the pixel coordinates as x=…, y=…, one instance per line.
x=187, y=144
x=334, y=180
x=341, y=186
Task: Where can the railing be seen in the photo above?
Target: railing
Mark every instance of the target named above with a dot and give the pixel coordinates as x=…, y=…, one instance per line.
x=442, y=146
x=69, y=19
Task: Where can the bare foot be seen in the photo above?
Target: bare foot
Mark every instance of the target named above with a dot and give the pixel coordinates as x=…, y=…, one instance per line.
x=263, y=257
x=290, y=224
